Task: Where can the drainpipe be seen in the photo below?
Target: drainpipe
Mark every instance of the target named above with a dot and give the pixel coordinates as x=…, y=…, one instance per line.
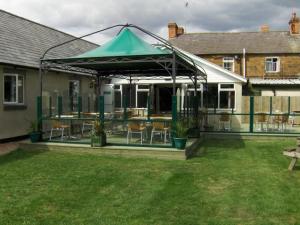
x=244, y=62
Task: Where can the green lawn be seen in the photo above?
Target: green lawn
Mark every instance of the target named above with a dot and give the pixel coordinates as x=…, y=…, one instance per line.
x=233, y=182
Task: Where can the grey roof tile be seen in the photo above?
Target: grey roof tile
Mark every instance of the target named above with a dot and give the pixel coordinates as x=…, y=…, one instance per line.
x=22, y=42
x=271, y=42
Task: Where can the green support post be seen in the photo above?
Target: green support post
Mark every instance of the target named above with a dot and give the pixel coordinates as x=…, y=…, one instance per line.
x=270, y=106
x=71, y=105
x=174, y=109
x=251, y=119
x=89, y=104
x=101, y=109
x=79, y=106
x=148, y=107
x=289, y=105
x=39, y=111
x=50, y=106
x=125, y=108
x=59, y=106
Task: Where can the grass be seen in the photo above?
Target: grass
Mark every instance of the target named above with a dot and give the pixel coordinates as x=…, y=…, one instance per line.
x=233, y=182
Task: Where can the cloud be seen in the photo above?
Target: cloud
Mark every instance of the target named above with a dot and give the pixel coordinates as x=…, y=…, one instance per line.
x=80, y=17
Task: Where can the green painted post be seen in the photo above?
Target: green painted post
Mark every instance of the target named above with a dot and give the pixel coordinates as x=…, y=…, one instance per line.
x=59, y=106
x=79, y=106
x=101, y=109
x=71, y=105
x=270, y=106
x=50, y=106
x=148, y=107
x=174, y=109
x=39, y=113
x=289, y=105
x=125, y=108
x=251, y=119
x=89, y=104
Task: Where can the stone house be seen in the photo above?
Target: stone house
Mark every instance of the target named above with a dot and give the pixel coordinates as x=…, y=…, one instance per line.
x=270, y=60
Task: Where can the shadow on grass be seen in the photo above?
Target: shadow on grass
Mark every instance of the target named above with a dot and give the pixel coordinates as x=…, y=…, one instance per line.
x=18, y=154
x=223, y=143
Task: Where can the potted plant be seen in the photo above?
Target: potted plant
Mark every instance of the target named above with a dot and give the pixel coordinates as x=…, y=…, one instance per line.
x=98, y=136
x=34, y=133
x=181, y=131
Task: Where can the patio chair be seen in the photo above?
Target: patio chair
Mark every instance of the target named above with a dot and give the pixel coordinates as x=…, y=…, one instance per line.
x=262, y=119
x=87, y=124
x=58, y=126
x=135, y=128
x=225, y=121
x=159, y=128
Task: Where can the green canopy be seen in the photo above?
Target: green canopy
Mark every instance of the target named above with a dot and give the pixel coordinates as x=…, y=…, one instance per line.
x=126, y=43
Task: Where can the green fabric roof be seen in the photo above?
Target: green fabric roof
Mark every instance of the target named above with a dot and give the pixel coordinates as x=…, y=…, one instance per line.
x=126, y=43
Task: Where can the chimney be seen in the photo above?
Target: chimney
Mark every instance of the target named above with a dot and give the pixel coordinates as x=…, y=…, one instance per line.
x=264, y=28
x=294, y=24
x=174, y=30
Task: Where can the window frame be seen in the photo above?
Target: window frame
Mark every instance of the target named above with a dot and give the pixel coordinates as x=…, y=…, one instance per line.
x=191, y=90
x=16, y=75
x=220, y=89
x=141, y=90
x=277, y=64
x=120, y=89
x=228, y=59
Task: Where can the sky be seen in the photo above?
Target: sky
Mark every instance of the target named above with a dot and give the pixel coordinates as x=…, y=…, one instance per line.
x=79, y=17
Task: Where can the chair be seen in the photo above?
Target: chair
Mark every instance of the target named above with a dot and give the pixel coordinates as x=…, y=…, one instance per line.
x=86, y=124
x=225, y=121
x=261, y=120
x=58, y=126
x=135, y=128
x=159, y=128
x=283, y=121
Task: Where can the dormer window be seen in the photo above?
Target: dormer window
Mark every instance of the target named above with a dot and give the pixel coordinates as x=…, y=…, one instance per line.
x=272, y=64
x=228, y=63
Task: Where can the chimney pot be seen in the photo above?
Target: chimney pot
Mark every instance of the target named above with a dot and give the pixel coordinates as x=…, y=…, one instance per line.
x=264, y=28
x=294, y=24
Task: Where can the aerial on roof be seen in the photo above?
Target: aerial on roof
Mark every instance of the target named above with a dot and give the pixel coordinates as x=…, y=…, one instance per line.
x=22, y=42
x=233, y=43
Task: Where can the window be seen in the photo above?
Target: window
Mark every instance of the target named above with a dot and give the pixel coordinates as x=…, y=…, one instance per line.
x=142, y=92
x=74, y=91
x=226, y=96
x=13, y=89
x=118, y=96
x=210, y=96
x=272, y=64
x=220, y=96
x=191, y=92
x=228, y=63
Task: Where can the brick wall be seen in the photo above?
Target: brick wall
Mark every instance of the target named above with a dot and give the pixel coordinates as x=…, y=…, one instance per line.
x=255, y=65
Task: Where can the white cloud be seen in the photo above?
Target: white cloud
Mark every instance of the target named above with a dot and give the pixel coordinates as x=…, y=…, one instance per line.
x=80, y=17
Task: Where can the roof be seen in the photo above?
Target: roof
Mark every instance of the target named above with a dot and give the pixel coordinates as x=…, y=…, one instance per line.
x=215, y=73
x=272, y=42
x=22, y=42
x=126, y=43
x=259, y=81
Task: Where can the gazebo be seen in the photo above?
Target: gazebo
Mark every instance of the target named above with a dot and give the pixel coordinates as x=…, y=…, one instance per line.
x=127, y=56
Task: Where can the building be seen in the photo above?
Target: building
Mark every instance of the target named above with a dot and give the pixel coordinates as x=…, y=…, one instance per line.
x=22, y=43
x=268, y=59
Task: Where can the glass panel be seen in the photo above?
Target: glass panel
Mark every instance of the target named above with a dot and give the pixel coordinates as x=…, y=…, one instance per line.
x=143, y=87
x=10, y=92
x=117, y=87
x=73, y=94
x=210, y=96
x=118, y=99
x=224, y=86
x=142, y=99
x=20, y=89
x=227, y=99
